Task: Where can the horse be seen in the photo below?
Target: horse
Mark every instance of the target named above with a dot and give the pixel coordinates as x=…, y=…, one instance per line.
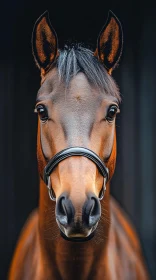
x=78, y=231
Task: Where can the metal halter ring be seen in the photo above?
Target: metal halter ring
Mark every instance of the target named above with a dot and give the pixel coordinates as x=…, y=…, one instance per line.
x=102, y=192
x=50, y=190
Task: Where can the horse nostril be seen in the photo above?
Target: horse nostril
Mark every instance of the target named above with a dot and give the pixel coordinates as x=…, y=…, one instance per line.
x=64, y=210
x=92, y=211
x=62, y=213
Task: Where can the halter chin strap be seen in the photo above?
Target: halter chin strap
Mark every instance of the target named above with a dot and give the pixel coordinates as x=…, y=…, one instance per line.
x=69, y=152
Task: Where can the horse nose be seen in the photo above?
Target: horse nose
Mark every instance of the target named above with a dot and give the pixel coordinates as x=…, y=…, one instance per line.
x=64, y=210
x=91, y=211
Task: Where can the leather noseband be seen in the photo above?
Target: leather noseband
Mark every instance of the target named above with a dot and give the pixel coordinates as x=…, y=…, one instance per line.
x=69, y=152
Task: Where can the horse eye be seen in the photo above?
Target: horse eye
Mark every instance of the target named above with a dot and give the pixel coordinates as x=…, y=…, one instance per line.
x=112, y=111
x=42, y=111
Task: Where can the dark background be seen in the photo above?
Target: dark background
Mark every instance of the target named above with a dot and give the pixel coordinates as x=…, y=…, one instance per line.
x=134, y=181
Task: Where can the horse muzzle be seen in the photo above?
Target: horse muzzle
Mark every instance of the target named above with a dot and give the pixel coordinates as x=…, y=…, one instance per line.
x=77, y=223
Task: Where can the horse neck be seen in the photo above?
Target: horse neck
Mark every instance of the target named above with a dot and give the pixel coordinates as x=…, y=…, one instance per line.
x=66, y=255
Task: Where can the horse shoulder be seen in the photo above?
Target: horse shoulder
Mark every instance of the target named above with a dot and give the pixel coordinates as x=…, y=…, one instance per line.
x=128, y=253
x=25, y=254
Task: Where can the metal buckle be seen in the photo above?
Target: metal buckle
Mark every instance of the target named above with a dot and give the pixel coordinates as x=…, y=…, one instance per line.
x=102, y=192
x=50, y=190
x=104, y=187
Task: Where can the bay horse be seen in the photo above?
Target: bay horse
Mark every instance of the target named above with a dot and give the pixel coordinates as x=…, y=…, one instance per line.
x=79, y=232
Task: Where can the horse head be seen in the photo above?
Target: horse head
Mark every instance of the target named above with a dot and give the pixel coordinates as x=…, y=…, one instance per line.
x=77, y=105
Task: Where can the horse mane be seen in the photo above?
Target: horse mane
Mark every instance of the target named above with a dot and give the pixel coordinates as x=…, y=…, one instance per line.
x=78, y=59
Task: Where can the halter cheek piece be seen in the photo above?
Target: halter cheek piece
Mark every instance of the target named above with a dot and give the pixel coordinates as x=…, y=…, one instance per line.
x=69, y=152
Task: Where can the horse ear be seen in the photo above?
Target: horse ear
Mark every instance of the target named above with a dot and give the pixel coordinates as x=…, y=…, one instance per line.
x=110, y=42
x=44, y=43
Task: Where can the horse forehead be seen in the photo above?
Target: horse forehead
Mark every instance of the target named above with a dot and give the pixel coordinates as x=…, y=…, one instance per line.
x=81, y=99
x=78, y=89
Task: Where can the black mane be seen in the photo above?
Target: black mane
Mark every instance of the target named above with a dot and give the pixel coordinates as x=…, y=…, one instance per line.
x=76, y=59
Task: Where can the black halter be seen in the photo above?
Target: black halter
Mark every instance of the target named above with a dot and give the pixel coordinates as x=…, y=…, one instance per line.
x=74, y=151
